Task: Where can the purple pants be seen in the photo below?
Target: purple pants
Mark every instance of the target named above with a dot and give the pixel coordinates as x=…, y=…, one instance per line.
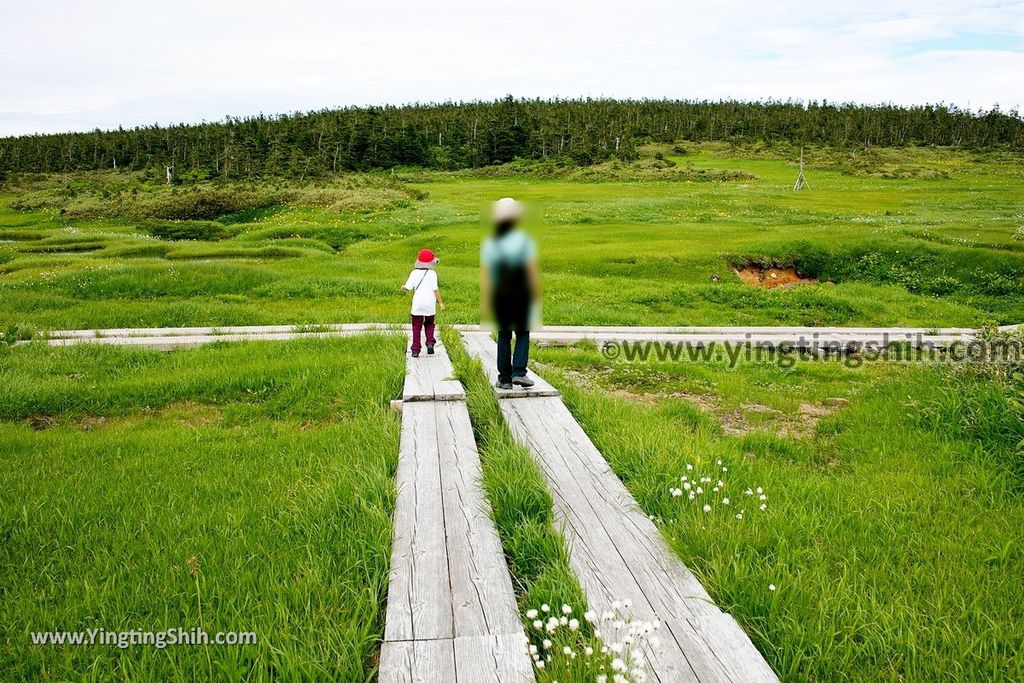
x=419, y=322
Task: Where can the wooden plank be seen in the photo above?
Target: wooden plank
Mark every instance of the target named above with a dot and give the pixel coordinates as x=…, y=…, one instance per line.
x=498, y=658
x=816, y=341
x=419, y=591
x=483, y=601
x=483, y=347
x=451, y=610
x=600, y=562
x=187, y=342
x=223, y=330
x=618, y=553
x=417, y=661
x=431, y=378
x=745, y=329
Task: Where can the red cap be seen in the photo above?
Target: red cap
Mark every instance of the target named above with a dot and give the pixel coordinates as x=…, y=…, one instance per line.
x=426, y=256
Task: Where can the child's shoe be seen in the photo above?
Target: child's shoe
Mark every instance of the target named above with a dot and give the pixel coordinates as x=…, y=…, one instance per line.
x=415, y=354
x=430, y=350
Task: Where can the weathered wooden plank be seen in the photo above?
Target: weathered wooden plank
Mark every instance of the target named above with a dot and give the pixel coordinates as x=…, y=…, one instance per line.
x=186, y=342
x=820, y=341
x=417, y=661
x=617, y=553
x=500, y=658
x=603, y=562
x=431, y=378
x=483, y=601
x=483, y=347
x=224, y=330
x=451, y=610
x=419, y=593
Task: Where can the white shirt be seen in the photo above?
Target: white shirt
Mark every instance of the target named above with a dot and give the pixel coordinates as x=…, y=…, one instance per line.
x=423, y=283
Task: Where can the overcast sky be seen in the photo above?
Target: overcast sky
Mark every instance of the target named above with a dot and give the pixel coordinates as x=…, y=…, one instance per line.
x=73, y=65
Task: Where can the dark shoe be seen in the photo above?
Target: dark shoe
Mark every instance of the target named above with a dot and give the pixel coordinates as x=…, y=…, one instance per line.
x=430, y=350
x=524, y=382
x=503, y=385
x=415, y=354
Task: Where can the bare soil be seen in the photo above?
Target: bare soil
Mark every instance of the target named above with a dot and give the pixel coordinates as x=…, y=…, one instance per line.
x=772, y=277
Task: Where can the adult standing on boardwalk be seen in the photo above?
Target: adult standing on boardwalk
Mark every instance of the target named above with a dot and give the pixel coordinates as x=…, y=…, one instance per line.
x=510, y=290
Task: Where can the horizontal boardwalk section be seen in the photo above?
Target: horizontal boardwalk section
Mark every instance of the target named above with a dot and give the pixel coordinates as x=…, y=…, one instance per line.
x=431, y=378
x=451, y=611
x=480, y=345
x=766, y=337
x=617, y=553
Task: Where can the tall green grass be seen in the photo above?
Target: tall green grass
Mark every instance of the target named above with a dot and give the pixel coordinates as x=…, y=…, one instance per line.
x=923, y=249
x=893, y=543
x=267, y=466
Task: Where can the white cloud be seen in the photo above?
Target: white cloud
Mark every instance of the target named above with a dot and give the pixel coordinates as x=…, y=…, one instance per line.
x=67, y=65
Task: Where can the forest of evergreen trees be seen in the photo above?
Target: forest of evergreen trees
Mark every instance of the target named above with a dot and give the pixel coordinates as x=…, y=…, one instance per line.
x=461, y=135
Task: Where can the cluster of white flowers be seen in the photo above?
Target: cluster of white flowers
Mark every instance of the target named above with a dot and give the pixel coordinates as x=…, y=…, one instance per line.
x=694, y=490
x=617, y=661
x=545, y=620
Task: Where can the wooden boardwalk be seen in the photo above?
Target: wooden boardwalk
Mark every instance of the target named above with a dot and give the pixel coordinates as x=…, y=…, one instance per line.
x=617, y=552
x=480, y=345
x=451, y=611
x=431, y=378
x=851, y=338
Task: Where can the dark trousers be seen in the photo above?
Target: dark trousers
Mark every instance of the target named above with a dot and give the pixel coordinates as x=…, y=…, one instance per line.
x=419, y=322
x=512, y=364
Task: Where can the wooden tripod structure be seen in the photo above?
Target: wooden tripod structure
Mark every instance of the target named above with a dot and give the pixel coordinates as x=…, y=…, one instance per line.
x=801, y=182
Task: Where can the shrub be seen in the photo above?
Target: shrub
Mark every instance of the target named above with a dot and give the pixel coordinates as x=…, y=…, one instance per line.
x=206, y=231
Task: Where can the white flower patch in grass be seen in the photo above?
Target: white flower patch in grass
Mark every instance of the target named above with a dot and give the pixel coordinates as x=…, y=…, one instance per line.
x=694, y=490
x=609, y=648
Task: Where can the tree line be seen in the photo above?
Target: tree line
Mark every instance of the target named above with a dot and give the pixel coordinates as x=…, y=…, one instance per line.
x=463, y=135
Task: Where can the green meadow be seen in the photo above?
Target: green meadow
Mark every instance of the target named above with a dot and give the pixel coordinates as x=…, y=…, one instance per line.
x=911, y=237
x=250, y=486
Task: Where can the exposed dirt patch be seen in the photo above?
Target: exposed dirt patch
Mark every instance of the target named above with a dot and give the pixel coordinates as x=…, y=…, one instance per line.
x=754, y=417
x=183, y=412
x=772, y=277
x=40, y=422
x=746, y=419
x=190, y=413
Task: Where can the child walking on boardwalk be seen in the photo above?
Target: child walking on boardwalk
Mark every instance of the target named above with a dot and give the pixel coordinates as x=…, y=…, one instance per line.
x=426, y=297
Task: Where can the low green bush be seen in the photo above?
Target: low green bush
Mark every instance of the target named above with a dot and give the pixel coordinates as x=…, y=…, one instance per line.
x=207, y=231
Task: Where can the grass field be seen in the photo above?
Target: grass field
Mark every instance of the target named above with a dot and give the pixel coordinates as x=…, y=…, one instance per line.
x=250, y=487
x=271, y=465
x=890, y=546
x=936, y=247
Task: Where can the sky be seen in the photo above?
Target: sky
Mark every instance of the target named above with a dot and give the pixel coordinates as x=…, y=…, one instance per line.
x=73, y=65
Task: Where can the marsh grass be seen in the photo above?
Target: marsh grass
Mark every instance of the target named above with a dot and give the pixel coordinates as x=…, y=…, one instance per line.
x=886, y=251
x=253, y=482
